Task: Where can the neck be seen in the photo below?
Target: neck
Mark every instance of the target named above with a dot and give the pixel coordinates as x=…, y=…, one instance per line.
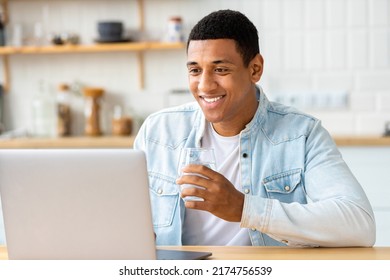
x=236, y=126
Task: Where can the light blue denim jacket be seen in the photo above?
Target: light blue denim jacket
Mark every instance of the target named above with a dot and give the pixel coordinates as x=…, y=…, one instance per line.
x=298, y=189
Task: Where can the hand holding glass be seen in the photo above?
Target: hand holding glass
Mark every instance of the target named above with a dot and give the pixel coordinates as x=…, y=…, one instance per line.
x=201, y=156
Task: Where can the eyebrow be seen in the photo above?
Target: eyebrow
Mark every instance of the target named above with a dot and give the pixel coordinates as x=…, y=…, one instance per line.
x=221, y=61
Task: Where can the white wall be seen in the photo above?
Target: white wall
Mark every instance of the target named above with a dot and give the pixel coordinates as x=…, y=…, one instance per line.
x=317, y=53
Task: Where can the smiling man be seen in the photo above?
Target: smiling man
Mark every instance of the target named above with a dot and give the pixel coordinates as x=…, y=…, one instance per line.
x=280, y=179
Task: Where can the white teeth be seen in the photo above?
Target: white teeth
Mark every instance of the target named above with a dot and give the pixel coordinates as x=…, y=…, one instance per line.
x=212, y=100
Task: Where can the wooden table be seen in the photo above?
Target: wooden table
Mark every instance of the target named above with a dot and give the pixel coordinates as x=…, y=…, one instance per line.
x=289, y=253
x=278, y=253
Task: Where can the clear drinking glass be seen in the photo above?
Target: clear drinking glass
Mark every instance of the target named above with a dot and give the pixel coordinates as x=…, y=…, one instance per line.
x=201, y=156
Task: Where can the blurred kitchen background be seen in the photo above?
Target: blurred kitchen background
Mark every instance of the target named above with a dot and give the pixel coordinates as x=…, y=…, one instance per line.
x=330, y=58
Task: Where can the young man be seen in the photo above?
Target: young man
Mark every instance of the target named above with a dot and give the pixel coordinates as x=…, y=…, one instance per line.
x=280, y=179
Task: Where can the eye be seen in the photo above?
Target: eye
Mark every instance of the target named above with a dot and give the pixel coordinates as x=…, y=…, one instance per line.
x=221, y=70
x=194, y=71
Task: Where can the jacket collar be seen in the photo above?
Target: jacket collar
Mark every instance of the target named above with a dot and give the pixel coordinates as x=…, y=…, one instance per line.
x=261, y=112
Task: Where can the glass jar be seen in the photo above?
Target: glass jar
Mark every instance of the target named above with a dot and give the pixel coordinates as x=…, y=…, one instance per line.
x=92, y=110
x=121, y=124
x=44, y=112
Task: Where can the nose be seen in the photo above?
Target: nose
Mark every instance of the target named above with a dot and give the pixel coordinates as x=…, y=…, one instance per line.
x=207, y=82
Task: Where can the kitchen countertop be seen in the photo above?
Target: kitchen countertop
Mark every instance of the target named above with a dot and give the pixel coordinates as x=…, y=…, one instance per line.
x=69, y=142
x=127, y=142
x=362, y=141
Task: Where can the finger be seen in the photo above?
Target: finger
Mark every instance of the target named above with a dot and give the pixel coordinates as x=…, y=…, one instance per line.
x=201, y=193
x=200, y=169
x=197, y=205
x=193, y=180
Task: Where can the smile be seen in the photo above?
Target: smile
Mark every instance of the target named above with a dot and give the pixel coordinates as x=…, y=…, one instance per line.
x=211, y=100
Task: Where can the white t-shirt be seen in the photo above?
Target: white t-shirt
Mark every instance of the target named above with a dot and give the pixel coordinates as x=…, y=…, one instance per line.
x=202, y=227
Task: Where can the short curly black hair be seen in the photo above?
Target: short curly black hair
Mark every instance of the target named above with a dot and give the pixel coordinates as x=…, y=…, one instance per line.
x=228, y=24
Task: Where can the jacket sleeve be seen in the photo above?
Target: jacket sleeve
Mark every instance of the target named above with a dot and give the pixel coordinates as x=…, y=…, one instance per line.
x=338, y=213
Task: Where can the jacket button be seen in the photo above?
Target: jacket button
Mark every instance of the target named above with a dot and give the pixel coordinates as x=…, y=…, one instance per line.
x=287, y=188
x=244, y=155
x=159, y=191
x=246, y=191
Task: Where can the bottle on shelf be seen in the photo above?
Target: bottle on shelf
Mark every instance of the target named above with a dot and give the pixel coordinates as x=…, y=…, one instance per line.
x=64, y=118
x=92, y=110
x=43, y=112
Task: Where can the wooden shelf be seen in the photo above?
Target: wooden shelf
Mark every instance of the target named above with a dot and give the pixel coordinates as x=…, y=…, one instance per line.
x=113, y=47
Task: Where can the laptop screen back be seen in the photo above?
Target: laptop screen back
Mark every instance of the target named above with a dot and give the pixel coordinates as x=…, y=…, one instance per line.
x=76, y=204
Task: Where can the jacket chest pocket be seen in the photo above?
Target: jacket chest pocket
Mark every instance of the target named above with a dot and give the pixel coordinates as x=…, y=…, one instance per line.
x=164, y=197
x=286, y=186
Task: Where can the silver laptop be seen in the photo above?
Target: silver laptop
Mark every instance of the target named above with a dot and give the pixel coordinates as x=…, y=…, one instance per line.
x=78, y=204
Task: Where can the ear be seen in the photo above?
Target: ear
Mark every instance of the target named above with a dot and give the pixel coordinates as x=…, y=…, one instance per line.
x=256, y=68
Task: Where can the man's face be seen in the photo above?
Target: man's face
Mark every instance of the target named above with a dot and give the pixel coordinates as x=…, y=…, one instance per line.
x=222, y=85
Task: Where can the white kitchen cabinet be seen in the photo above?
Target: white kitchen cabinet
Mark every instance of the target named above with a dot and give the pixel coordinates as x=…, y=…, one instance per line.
x=371, y=166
